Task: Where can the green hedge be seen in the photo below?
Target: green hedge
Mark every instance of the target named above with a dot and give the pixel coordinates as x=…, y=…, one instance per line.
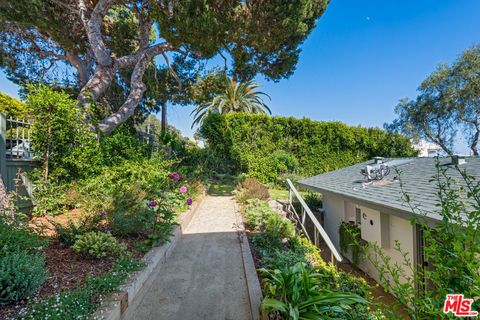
x=249, y=143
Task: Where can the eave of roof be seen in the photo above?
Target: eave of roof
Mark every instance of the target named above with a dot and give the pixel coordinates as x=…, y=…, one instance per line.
x=415, y=181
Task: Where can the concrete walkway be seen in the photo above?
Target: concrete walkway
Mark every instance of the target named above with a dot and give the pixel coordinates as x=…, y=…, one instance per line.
x=204, y=277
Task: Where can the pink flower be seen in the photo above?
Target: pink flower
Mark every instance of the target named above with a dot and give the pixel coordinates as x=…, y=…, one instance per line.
x=189, y=201
x=174, y=176
x=183, y=189
x=152, y=204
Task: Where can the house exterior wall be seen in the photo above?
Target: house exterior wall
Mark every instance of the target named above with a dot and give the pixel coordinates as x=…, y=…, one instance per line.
x=334, y=215
x=338, y=209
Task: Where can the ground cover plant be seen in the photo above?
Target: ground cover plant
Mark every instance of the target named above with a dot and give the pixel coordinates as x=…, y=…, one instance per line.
x=297, y=282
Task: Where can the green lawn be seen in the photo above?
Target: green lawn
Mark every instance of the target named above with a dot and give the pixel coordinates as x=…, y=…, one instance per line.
x=282, y=194
x=221, y=189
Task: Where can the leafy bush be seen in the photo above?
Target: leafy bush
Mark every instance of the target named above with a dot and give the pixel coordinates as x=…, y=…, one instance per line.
x=278, y=227
x=16, y=236
x=272, y=166
x=250, y=188
x=275, y=255
x=129, y=214
x=98, y=244
x=313, y=200
x=295, y=293
x=13, y=107
x=351, y=241
x=123, y=144
x=256, y=212
x=82, y=301
x=20, y=275
x=247, y=143
x=59, y=135
x=280, y=251
x=79, y=225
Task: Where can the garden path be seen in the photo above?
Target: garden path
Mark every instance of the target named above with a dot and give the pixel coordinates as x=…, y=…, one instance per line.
x=204, y=277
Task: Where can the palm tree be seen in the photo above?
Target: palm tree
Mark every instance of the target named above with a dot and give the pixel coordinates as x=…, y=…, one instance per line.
x=238, y=97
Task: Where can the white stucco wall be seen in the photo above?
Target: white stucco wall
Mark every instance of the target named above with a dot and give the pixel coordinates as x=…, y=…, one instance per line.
x=338, y=209
x=402, y=231
x=334, y=215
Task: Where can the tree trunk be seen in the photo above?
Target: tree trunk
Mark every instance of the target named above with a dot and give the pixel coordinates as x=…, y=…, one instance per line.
x=107, y=65
x=164, y=117
x=474, y=144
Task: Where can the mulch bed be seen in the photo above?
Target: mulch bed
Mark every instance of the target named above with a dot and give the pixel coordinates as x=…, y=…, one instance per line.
x=68, y=269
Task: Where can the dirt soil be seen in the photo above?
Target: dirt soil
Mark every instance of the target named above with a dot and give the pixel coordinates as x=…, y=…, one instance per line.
x=67, y=269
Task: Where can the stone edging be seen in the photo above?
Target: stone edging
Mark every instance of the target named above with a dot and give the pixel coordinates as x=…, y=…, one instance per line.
x=116, y=305
x=253, y=284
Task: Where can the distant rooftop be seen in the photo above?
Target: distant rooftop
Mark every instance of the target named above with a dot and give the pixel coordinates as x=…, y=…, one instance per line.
x=387, y=193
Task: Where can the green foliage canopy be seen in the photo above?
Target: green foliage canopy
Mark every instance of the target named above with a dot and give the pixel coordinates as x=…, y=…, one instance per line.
x=105, y=49
x=58, y=134
x=448, y=103
x=250, y=143
x=12, y=107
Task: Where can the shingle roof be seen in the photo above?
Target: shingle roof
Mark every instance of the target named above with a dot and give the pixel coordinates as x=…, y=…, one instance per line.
x=415, y=179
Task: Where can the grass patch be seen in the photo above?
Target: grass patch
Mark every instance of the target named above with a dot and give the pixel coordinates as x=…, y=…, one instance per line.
x=221, y=189
x=282, y=194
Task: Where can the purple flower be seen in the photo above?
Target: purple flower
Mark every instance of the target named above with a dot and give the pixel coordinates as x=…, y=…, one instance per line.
x=183, y=189
x=189, y=201
x=101, y=214
x=152, y=204
x=174, y=176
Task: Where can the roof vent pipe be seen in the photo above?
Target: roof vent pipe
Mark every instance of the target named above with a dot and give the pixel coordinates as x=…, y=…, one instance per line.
x=378, y=160
x=458, y=160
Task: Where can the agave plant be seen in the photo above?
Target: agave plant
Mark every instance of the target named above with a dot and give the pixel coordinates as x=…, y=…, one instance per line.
x=238, y=97
x=295, y=293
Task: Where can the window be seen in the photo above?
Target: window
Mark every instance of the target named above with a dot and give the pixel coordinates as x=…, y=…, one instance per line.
x=358, y=216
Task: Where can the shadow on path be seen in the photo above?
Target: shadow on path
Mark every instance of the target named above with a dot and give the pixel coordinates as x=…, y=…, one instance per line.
x=204, y=277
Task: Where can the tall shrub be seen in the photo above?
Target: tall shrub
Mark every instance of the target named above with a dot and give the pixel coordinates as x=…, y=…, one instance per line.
x=246, y=143
x=59, y=135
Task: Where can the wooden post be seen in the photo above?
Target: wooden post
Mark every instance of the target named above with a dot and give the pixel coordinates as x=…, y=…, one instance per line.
x=4, y=199
x=3, y=145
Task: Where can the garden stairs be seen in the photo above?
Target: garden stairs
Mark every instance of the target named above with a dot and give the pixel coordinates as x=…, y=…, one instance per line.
x=205, y=277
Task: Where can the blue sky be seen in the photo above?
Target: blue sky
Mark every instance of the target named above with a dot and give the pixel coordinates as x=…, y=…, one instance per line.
x=362, y=57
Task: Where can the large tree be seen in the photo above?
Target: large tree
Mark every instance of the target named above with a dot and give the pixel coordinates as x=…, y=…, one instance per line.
x=102, y=49
x=447, y=106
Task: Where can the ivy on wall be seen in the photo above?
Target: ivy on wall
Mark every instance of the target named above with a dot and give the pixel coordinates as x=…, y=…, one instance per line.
x=351, y=242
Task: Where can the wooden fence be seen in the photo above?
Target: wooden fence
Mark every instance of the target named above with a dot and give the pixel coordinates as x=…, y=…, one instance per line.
x=16, y=158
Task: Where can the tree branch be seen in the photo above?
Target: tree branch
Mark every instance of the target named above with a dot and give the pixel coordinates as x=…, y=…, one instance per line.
x=174, y=74
x=93, y=26
x=137, y=87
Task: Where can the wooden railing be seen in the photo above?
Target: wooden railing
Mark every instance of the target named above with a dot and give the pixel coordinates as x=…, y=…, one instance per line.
x=17, y=159
x=300, y=219
x=17, y=139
